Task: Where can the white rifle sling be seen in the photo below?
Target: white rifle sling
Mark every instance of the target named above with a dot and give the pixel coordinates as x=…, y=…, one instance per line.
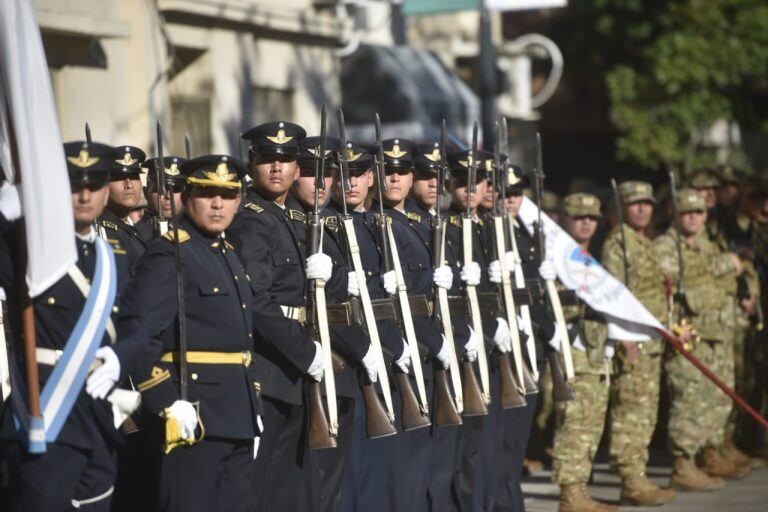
x=525, y=309
x=370, y=319
x=405, y=310
x=329, y=379
x=474, y=309
x=565, y=342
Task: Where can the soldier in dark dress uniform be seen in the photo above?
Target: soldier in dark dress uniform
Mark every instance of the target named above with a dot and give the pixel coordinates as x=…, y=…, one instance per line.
x=268, y=244
x=150, y=227
x=124, y=196
x=78, y=465
x=207, y=440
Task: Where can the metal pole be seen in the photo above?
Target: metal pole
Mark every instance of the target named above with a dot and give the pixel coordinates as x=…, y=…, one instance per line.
x=486, y=75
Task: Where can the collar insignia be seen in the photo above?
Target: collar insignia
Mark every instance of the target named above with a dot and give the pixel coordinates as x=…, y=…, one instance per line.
x=83, y=160
x=280, y=138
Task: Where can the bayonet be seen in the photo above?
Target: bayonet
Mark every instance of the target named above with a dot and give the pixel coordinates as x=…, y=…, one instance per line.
x=188, y=146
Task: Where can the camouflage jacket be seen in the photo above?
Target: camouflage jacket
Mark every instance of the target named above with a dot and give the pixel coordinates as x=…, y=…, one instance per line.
x=592, y=331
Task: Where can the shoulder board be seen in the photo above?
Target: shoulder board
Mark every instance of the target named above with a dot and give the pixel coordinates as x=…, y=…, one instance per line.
x=455, y=220
x=253, y=207
x=109, y=225
x=296, y=215
x=183, y=236
x=331, y=222
x=413, y=216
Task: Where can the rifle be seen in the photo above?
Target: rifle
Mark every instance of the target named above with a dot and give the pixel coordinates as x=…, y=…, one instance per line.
x=88, y=138
x=320, y=433
x=561, y=389
x=415, y=414
x=622, y=233
x=505, y=290
x=377, y=424
x=445, y=409
x=172, y=437
x=188, y=146
x=162, y=223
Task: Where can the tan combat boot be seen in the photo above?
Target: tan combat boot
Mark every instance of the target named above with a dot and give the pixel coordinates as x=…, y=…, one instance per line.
x=687, y=477
x=714, y=464
x=638, y=490
x=575, y=498
x=731, y=453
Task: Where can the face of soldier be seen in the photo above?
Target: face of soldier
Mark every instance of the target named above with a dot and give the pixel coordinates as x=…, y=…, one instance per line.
x=212, y=209
x=398, y=185
x=165, y=201
x=124, y=194
x=727, y=194
x=581, y=228
x=638, y=215
x=303, y=189
x=360, y=183
x=274, y=177
x=513, y=202
x=489, y=197
x=87, y=204
x=424, y=189
x=691, y=223
x=458, y=187
x=710, y=198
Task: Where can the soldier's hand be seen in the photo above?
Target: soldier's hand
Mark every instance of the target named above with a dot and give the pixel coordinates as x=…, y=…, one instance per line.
x=470, y=274
x=315, y=369
x=502, y=338
x=749, y=306
x=547, y=271
x=10, y=202
x=186, y=416
x=103, y=378
x=404, y=361
x=444, y=356
x=353, y=288
x=737, y=266
x=471, y=345
x=369, y=363
x=510, y=260
x=390, y=282
x=443, y=277
x=319, y=266
x=631, y=351
x=494, y=272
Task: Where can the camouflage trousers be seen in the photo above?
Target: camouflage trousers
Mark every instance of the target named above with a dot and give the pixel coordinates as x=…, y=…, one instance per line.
x=698, y=409
x=634, y=408
x=578, y=429
x=743, y=369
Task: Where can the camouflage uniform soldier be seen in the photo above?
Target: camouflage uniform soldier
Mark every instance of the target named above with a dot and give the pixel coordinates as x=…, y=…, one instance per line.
x=692, y=428
x=637, y=367
x=579, y=423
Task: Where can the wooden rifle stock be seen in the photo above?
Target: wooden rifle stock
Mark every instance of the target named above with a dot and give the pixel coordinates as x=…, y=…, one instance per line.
x=529, y=383
x=561, y=389
x=318, y=433
x=410, y=415
x=474, y=404
x=445, y=409
x=510, y=394
x=377, y=422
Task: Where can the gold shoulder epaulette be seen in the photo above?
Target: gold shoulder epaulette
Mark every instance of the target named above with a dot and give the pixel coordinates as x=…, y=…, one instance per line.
x=253, y=207
x=109, y=225
x=183, y=236
x=455, y=220
x=413, y=216
x=297, y=215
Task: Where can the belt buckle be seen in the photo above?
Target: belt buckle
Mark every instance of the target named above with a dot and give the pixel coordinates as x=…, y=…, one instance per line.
x=247, y=358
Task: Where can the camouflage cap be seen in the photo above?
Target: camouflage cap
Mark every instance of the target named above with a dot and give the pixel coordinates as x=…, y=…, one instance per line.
x=728, y=174
x=582, y=205
x=703, y=178
x=689, y=200
x=636, y=191
x=549, y=200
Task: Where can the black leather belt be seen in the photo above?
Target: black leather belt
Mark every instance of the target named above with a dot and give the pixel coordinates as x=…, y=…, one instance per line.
x=419, y=305
x=489, y=303
x=535, y=288
x=458, y=306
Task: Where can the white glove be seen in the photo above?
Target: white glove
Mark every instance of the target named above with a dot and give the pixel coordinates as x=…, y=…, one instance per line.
x=555, y=341
x=319, y=266
x=547, y=271
x=186, y=416
x=353, y=289
x=444, y=356
x=578, y=344
x=404, y=361
x=390, y=282
x=443, y=277
x=315, y=369
x=509, y=257
x=471, y=345
x=494, y=272
x=470, y=274
x=103, y=378
x=610, y=349
x=502, y=338
x=369, y=363
x=10, y=202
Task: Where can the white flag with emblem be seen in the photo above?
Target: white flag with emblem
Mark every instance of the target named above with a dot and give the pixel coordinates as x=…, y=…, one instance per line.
x=578, y=270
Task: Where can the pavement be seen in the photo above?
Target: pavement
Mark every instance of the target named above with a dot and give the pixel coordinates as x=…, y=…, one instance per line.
x=747, y=495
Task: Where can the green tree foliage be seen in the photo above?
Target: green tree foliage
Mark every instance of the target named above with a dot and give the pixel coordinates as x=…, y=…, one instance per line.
x=675, y=67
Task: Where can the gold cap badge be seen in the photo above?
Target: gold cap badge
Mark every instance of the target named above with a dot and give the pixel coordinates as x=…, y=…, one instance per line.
x=396, y=152
x=83, y=160
x=280, y=137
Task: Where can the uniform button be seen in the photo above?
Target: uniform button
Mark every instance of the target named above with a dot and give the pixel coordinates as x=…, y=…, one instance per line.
x=243, y=304
x=236, y=278
x=194, y=376
x=115, y=309
x=51, y=301
x=250, y=335
x=370, y=273
x=215, y=289
x=287, y=260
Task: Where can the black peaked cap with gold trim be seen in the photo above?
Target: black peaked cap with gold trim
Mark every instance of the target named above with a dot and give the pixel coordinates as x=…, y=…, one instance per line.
x=88, y=163
x=221, y=171
x=279, y=138
x=398, y=153
x=360, y=155
x=126, y=162
x=309, y=151
x=171, y=169
x=427, y=156
x=458, y=163
x=515, y=179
